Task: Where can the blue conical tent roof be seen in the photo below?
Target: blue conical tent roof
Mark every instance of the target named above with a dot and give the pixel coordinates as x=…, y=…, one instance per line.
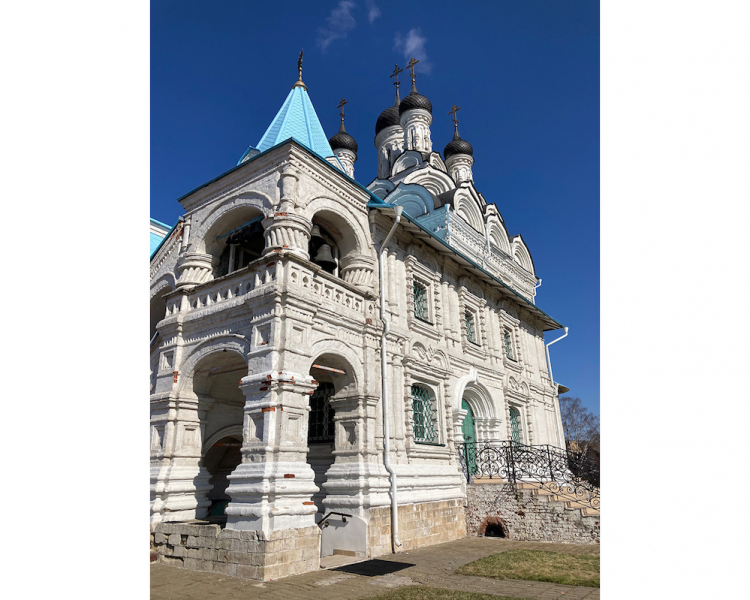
x=296, y=119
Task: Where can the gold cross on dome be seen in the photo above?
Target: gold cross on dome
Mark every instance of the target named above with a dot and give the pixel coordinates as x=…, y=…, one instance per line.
x=395, y=73
x=454, y=109
x=411, y=65
x=341, y=106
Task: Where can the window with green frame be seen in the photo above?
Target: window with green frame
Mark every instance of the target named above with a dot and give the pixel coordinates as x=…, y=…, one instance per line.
x=471, y=329
x=420, y=302
x=320, y=418
x=423, y=406
x=508, y=342
x=515, y=425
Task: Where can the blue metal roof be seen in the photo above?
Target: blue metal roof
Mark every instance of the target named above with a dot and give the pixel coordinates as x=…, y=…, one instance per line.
x=296, y=119
x=155, y=241
x=159, y=232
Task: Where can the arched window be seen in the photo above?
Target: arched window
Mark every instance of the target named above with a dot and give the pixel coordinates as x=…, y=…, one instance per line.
x=515, y=426
x=320, y=421
x=425, y=415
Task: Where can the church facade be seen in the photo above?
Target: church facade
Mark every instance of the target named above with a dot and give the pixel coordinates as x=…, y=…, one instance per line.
x=320, y=347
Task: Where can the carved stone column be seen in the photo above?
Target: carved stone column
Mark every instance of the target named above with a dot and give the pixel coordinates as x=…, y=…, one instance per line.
x=286, y=230
x=179, y=482
x=358, y=269
x=194, y=268
x=350, y=478
x=272, y=488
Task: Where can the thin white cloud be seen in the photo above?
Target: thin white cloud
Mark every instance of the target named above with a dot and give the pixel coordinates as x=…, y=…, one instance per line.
x=340, y=23
x=373, y=12
x=413, y=46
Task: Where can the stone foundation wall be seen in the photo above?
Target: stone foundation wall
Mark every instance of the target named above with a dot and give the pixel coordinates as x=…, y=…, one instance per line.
x=419, y=525
x=528, y=517
x=245, y=554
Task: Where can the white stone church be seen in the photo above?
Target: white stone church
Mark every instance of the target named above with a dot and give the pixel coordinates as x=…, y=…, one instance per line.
x=319, y=347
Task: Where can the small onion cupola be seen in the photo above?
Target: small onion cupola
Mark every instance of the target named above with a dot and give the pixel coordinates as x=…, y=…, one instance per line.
x=343, y=145
x=389, y=135
x=458, y=153
x=415, y=116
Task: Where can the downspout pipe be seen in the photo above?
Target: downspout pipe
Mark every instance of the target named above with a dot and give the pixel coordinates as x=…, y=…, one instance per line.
x=561, y=437
x=536, y=287
x=384, y=385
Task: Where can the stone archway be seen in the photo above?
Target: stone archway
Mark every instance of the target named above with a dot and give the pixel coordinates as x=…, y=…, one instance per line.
x=493, y=527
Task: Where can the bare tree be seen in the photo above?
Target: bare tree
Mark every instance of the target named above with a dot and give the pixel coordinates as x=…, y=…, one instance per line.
x=581, y=428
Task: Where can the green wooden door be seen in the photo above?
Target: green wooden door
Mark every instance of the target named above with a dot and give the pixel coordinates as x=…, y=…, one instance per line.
x=470, y=437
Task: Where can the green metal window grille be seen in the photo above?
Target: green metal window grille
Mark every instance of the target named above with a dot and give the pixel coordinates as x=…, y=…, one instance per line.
x=420, y=301
x=424, y=415
x=515, y=425
x=320, y=419
x=508, y=345
x=470, y=329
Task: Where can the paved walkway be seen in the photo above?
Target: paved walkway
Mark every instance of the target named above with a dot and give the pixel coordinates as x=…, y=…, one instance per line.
x=434, y=566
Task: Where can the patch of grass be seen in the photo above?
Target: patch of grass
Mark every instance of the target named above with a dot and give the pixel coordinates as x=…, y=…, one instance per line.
x=538, y=565
x=417, y=592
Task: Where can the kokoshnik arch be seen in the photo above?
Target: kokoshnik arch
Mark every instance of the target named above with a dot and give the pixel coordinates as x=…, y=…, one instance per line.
x=266, y=325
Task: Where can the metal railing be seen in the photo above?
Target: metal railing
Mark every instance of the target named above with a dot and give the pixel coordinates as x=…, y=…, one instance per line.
x=561, y=472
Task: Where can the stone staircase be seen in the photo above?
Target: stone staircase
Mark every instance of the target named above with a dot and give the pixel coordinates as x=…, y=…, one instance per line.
x=537, y=490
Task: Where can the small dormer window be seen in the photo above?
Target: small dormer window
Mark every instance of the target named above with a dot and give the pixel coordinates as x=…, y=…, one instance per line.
x=471, y=328
x=508, y=343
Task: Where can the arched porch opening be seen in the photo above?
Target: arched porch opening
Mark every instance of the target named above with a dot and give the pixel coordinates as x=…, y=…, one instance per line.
x=235, y=239
x=335, y=379
x=221, y=458
x=220, y=411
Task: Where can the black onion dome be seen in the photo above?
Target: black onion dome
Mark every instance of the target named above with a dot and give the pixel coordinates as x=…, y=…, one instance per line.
x=414, y=100
x=457, y=146
x=343, y=141
x=387, y=118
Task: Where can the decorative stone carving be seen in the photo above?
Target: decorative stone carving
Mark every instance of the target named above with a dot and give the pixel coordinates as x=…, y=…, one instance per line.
x=358, y=269
x=416, y=124
x=347, y=159
x=272, y=488
x=194, y=268
x=288, y=188
x=459, y=167
x=286, y=230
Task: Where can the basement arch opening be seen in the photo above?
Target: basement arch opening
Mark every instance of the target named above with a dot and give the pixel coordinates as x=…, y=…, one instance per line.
x=493, y=527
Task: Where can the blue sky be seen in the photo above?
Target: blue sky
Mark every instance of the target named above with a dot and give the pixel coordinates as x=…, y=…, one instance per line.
x=525, y=74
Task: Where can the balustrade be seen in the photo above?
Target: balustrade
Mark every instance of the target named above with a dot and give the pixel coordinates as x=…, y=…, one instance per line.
x=238, y=284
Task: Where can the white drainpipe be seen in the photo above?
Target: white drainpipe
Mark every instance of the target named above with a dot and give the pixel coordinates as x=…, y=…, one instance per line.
x=384, y=374
x=561, y=437
x=536, y=287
